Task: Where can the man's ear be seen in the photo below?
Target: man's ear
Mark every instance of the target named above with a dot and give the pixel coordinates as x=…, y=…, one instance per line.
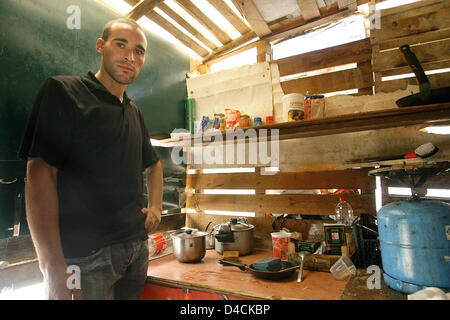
x=99, y=45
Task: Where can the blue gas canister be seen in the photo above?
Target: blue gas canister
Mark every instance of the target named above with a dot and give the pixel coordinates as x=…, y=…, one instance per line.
x=415, y=244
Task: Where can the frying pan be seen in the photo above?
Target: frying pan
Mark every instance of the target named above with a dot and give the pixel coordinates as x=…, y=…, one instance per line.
x=426, y=94
x=287, y=270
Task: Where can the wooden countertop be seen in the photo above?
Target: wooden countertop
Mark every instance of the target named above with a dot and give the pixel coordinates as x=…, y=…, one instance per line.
x=209, y=275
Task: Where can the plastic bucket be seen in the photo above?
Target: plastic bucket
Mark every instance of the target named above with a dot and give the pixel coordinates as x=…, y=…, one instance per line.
x=280, y=243
x=293, y=107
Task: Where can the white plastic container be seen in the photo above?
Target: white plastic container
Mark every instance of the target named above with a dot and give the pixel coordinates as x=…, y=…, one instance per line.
x=343, y=268
x=293, y=107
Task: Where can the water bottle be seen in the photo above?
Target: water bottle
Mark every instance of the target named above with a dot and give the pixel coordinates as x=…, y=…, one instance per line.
x=344, y=212
x=159, y=243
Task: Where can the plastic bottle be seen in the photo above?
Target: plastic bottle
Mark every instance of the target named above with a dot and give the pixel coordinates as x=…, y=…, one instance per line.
x=158, y=243
x=344, y=212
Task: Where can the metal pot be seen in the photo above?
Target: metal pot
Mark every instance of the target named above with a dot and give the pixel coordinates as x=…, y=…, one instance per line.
x=189, y=245
x=235, y=235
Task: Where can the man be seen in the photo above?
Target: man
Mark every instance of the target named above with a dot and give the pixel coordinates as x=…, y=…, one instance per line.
x=86, y=146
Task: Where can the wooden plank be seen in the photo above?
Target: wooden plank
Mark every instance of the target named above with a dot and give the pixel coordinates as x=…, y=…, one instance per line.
x=218, y=53
x=427, y=66
x=429, y=52
x=330, y=82
x=186, y=40
x=436, y=114
x=262, y=204
x=418, y=19
x=287, y=23
x=341, y=179
x=438, y=80
x=308, y=9
x=229, y=14
x=307, y=26
x=195, y=12
x=253, y=17
x=172, y=14
x=142, y=8
x=412, y=7
x=415, y=39
x=356, y=51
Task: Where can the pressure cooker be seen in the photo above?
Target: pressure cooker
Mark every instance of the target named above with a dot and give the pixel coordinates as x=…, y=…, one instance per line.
x=235, y=235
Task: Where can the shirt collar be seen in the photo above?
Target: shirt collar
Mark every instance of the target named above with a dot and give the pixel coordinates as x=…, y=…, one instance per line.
x=95, y=84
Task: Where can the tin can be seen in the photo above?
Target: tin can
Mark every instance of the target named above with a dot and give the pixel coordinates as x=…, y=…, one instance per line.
x=315, y=107
x=269, y=119
x=190, y=114
x=257, y=121
x=244, y=121
x=216, y=121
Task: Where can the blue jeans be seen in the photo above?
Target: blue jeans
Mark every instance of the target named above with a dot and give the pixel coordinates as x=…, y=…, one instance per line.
x=117, y=272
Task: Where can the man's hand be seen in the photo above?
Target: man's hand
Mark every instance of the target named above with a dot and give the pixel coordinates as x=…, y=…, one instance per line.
x=153, y=218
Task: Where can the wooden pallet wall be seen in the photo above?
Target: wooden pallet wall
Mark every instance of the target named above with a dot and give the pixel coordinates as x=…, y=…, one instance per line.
x=423, y=25
x=302, y=195
x=359, y=77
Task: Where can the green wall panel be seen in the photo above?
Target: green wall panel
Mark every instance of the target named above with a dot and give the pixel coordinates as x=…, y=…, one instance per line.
x=36, y=43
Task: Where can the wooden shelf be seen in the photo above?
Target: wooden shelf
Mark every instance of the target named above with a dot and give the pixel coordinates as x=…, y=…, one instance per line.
x=436, y=114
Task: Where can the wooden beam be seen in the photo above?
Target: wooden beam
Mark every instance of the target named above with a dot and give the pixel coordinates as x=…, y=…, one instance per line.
x=195, y=12
x=229, y=14
x=230, y=46
x=170, y=28
x=186, y=40
x=253, y=17
x=172, y=14
x=313, y=24
x=232, y=52
x=264, y=51
x=142, y=8
x=309, y=9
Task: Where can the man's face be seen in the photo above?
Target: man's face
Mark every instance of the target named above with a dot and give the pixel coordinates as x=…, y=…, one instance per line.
x=123, y=54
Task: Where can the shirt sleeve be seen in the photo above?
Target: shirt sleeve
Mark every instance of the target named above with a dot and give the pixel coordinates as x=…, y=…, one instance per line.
x=149, y=156
x=48, y=134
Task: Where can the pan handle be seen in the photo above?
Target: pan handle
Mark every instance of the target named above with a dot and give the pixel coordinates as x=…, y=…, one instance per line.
x=241, y=266
x=416, y=67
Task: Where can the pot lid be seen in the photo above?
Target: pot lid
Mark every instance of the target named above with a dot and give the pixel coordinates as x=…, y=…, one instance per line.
x=188, y=234
x=234, y=225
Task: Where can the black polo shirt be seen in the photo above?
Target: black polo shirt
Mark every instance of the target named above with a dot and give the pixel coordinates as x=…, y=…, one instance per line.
x=100, y=147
